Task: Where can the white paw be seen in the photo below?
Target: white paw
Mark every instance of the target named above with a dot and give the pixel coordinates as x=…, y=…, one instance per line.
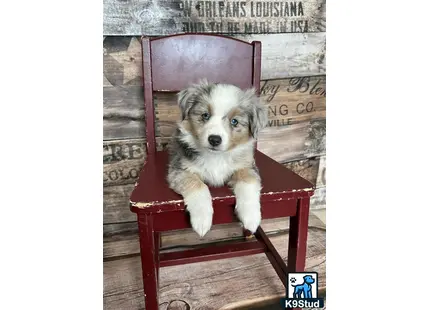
x=199, y=205
x=250, y=215
x=248, y=204
x=201, y=221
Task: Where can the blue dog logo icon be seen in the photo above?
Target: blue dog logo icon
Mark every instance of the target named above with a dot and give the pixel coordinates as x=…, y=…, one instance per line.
x=304, y=290
x=304, y=295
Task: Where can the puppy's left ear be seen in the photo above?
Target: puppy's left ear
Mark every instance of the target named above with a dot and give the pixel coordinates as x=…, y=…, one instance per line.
x=258, y=116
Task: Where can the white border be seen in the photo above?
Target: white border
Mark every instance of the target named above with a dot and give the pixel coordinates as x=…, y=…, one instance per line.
x=377, y=167
x=51, y=130
x=51, y=156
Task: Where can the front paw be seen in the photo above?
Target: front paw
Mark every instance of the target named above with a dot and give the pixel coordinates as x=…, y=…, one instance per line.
x=199, y=205
x=250, y=215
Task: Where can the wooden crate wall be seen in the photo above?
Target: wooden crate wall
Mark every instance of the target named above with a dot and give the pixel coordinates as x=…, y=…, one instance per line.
x=293, y=84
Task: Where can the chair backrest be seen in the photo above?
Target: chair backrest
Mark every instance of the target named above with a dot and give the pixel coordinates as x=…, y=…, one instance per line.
x=171, y=63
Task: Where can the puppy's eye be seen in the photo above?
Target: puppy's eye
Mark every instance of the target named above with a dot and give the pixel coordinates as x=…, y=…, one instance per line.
x=234, y=122
x=206, y=116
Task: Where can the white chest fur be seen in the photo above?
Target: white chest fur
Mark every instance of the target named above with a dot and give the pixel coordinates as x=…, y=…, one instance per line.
x=215, y=168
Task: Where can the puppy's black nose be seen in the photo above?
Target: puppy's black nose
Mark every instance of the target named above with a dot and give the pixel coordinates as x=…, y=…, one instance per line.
x=214, y=140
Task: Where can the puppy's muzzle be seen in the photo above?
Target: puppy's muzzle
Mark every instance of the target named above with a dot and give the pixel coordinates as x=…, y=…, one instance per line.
x=214, y=140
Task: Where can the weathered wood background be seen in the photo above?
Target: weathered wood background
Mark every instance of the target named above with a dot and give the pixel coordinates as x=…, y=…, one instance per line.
x=294, y=86
x=161, y=17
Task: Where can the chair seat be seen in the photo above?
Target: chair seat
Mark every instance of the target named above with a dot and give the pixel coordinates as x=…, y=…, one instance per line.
x=278, y=183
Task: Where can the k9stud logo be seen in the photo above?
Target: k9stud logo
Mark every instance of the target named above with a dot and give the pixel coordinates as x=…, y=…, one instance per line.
x=302, y=291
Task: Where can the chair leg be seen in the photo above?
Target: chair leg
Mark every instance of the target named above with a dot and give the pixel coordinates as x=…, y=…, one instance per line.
x=148, y=255
x=298, y=237
x=273, y=255
x=157, y=238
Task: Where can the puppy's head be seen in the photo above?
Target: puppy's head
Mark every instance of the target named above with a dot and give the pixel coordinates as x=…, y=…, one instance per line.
x=220, y=117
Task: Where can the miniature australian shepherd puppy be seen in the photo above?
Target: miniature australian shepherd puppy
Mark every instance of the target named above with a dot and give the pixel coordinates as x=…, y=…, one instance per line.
x=214, y=145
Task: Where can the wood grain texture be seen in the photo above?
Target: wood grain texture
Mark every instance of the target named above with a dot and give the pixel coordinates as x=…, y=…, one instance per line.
x=283, y=56
x=294, y=100
x=162, y=17
x=123, y=112
x=208, y=285
x=110, y=230
x=119, y=182
x=291, y=55
x=123, y=172
x=289, y=101
x=123, y=240
x=294, y=142
x=122, y=161
x=116, y=201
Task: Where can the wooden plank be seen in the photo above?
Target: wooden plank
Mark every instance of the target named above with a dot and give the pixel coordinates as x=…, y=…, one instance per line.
x=162, y=17
x=123, y=239
x=116, y=201
x=120, y=176
x=294, y=100
x=283, y=56
x=111, y=230
x=294, y=142
x=227, y=281
x=291, y=55
x=122, y=161
x=123, y=112
x=121, y=173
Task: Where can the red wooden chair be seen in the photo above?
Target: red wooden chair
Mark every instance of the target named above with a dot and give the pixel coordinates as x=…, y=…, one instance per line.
x=170, y=63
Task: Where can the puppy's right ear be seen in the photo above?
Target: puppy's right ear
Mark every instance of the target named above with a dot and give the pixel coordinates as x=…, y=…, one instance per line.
x=186, y=96
x=184, y=101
